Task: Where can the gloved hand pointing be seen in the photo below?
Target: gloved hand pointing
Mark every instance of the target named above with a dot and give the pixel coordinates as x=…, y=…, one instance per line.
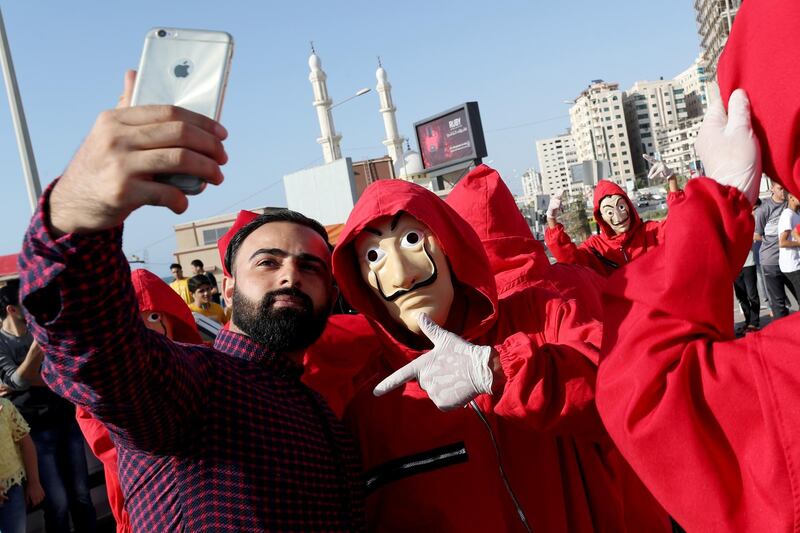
x=659, y=169
x=728, y=146
x=452, y=373
x=554, y=207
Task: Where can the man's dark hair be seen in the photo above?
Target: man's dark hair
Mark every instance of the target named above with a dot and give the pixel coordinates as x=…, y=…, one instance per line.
x=195, y=282
x=277, y=215
x=9, y=295
x=197, y=263
x=175, y=265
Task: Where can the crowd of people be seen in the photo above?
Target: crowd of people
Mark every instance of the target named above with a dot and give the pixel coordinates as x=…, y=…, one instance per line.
x=478, y=386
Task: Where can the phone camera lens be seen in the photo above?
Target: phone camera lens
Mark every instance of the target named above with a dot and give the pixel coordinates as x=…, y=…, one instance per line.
x=162, y=33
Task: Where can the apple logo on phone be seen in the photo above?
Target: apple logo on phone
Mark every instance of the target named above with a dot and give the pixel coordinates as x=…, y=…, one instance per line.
x=182, y=69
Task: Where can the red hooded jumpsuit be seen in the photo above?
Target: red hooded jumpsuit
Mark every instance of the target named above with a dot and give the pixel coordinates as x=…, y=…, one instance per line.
x=536, y=451
x=709, y=422
x=516, y=258
x=153, y=295
x=607, y=251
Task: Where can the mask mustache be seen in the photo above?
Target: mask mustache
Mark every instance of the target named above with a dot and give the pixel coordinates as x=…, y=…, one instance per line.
x=424, y=283
x=620, y=222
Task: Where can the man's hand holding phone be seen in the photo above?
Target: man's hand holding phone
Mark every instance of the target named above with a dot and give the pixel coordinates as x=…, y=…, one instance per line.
x=112, y=174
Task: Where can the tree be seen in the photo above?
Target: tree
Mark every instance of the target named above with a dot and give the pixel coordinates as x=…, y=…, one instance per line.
x=574, y=216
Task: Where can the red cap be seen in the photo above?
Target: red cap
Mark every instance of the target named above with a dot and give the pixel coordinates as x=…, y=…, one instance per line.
x=242, y=219
x=156, y=296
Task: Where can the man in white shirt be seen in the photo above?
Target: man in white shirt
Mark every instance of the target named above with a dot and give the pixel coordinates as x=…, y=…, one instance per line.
x=789, y=254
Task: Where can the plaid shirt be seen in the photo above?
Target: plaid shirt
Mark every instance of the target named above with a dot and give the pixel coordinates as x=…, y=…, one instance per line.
x=209, y=439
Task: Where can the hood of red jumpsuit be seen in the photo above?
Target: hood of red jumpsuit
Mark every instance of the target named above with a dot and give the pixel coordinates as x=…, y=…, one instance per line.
x=761, y=57
x=155, y=296
x=485, y=202
x=472, y=275
x=606, y=188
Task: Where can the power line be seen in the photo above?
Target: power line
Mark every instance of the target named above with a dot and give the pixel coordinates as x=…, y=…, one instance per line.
x=526, y=124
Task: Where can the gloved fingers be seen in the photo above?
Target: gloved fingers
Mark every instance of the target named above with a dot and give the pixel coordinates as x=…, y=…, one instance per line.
x=431, y=329
x=712, y=92
x=738, y=111
x=716, y=117
x=399, y=377
x=650, y=159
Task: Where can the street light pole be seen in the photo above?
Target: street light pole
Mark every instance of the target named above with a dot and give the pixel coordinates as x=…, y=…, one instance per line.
x=360, y=92
x=20, y=125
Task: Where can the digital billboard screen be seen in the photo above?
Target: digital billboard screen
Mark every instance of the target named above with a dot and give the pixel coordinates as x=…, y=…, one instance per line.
x=451, y=138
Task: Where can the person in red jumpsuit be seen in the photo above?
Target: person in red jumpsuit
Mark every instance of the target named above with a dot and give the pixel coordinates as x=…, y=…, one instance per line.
x=711, y=423
x=623, y=236
x=485, y=416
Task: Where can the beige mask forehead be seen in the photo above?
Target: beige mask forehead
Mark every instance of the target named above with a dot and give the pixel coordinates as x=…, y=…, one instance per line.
x=612, y=201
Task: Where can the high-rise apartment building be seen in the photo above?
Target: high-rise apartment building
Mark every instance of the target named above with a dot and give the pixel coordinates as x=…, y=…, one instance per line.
x=531, y=185
x=694, y=81
x=676, y=146
x=714, y=21
x=652, y=107
x=600, y=131
x=556, y=155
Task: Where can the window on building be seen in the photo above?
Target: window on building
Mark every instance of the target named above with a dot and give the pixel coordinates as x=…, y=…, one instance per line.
x=211, y=236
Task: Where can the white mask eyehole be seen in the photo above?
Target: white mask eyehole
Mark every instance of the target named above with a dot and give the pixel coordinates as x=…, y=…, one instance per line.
x=411, y=239
x=374, y=255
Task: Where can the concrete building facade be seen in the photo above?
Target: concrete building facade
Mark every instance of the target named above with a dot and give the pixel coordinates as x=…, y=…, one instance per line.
x=694, y=81
x=531, y=185
x=676, y=146
x=650, y=108
x=555, y=155
x=714, y=21
x=600, y=131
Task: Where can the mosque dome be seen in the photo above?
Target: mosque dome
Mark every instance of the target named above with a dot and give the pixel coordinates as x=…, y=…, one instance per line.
x=409, y=166
x=381, y=75
x=314, y=62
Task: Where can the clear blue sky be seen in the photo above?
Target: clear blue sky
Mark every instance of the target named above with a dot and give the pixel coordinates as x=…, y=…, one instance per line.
x=518, y=59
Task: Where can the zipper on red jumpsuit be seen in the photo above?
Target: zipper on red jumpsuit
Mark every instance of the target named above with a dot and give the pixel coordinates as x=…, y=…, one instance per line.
x=624, y=255
x=503, y=476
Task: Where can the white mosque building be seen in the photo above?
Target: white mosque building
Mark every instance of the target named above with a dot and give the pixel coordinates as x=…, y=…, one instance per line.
x=407, y=163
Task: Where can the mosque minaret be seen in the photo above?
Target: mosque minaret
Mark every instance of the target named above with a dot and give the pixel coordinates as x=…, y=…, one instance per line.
x=393, y=142
x=329, y=139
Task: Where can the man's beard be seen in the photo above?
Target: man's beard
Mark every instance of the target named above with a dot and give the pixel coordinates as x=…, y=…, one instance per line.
x=280, y=329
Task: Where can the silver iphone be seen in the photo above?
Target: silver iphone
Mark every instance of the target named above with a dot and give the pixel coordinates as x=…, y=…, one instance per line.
x=186, y=68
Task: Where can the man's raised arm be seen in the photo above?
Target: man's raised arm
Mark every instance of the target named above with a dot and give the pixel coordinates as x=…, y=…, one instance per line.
x=76, y=286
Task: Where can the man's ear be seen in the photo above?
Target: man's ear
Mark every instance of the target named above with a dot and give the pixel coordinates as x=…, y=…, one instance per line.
x=228, y=283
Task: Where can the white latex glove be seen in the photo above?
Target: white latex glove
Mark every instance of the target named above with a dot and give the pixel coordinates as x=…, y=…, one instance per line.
x=452, y=374
x=728, y=147
x=659, y=169
x=554, y=207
